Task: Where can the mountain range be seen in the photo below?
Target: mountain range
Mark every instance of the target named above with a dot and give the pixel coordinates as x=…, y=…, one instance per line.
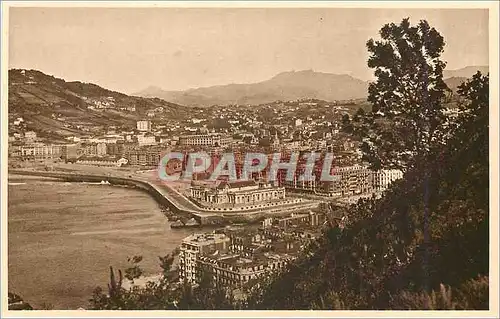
x=465, y=72
x=288, y=86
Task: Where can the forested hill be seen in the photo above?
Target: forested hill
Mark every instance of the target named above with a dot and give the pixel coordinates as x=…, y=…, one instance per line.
x=56, y=108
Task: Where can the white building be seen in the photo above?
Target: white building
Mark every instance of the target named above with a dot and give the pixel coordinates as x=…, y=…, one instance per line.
x=236, y=193
x=144, y=140
x=211, y=139
x=195, y=246
x=144, y=126
x=40, y=151
x=384, y=177
x=18, y=121
x=100, y=161
x=101, y=149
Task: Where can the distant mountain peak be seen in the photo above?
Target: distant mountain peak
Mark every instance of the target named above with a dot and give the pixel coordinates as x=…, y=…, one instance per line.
x=151, y=91
x=308, y=72
x=153, y=87
x=466, y=72
x=288, y=85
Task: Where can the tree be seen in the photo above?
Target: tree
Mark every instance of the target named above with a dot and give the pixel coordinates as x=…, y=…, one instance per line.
x=134, y=271
x=346, y=124
x=407, y=113
x=475, y=92
x=154, y=295
x=15, y=302
x=163, y=294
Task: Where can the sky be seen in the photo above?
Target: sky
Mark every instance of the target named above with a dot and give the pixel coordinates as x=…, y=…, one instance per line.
x=129, y=49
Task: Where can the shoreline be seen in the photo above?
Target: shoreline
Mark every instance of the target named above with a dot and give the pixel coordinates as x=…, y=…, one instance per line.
x=167, y=198
x=75, y=232
x=111, y=180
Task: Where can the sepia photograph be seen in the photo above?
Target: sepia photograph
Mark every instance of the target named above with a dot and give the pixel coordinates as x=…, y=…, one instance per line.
x=249, y=156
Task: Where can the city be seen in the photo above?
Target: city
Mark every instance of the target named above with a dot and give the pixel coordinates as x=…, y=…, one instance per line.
x=304, y=190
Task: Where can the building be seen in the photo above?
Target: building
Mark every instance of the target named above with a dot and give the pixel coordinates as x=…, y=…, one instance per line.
x=313, y=219
x=89, y=149
x=40, y=151
x=210, y=139
x=384, y=177
x=233, y=259
x=235, y=270
x=30, y=137
x=102, y=161
x=195, y=246
x=267, y=222
x=101, y=149
x=276, y=141
x=93, y=149
x=304, y=185
x=316, y=219
x=116, y=149
x=353, y=180
x=144, y=156
x=235, y=193
x=293, y=219
x=350, y=180
x=14, y=151
x=292, y=145
x=18, y=121
x=144, y=125
x=146, y=139
x=69, y=152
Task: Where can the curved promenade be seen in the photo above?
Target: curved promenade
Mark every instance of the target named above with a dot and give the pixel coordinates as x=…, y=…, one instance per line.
x=175, y=201
x=163, y=197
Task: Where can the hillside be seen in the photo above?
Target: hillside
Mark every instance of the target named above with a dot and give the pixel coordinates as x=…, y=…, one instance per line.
x=52, y=106
x=284, y=86
x=466, y=72
x=453, y=78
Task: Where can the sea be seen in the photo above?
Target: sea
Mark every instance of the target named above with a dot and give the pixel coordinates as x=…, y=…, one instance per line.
x=63, y=237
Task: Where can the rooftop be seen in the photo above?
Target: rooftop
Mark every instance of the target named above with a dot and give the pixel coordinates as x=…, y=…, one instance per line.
x=205, y=239
x=236, y=260
x=237, y=184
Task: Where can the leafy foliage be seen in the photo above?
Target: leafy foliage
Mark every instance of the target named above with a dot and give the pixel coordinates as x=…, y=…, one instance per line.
x=407, y=114
x=154, y=295
x=135, y=271
x=163, y=294
x=473, y=294
x=16, y=302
